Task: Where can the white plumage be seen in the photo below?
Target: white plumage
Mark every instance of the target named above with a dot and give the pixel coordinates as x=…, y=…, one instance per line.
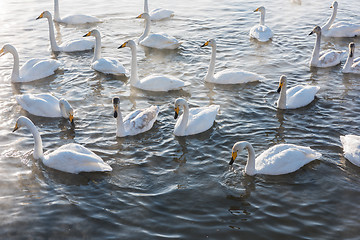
x=157, y=14
x=352, y=65
x=72, y=19
x=351, y=148
x=261, y=32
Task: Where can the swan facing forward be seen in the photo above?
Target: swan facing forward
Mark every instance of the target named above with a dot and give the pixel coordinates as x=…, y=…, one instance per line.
x=261, y=32
x=227, y=76
x=295, y=97
x=72, y=19
x=104, y=65
x=70, y=46
x=159, y=41
x=352, y=65
x=277, y=160
x=46, y=105
x=351, y=146
x=339, y=29
x=326, y=58
x=156, y=83
x=194, y=120
x=157, y=14
x=136, y=122
x=33, y=69
x=71, y=158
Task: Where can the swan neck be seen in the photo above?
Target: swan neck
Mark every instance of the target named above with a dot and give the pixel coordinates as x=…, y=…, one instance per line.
x=146, y=31
x=146, y=6
x=15, y=72
x=331, y=19
x=349, y=62
x=185, y=118
x=56, y=11
x=97, y=49
x=262, y=17
x=210, y=74
x=134, y=74
x=316, y=52
x=38, y=148
x=250, y=165
x=53, y=43
x=120, y=130
x=282, y=98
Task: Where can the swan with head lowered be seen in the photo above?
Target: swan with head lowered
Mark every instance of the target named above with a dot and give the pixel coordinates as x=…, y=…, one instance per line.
x=352, y=65
x=46, y=105
x=328, y=58
x=33, y=69
x=156, y=83
x=227, y=76
x=136, y=122
x=339, y=29
x=295, y=97
x=277, y=160
x=159, y=41
x=194, y=120
x=157, y=14
x=351, y=148
x=261, y=32
x=105, y=65
x=70, y=158
x=72, y=19
x=70, y=46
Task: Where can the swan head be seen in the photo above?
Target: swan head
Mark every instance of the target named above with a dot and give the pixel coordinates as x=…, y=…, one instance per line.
x=238, y=147
x=282, y=82
x=93, y=32
x=260, y=9
x=211, y=42
x=21, y=122
x=334, y=4
x=45, y=14
x=66, y=110
x=116, y=102
x=178, y=103
x=317, y=30
x=351, y=49
x=129, y=43
x=145, y=16
x=7, y=48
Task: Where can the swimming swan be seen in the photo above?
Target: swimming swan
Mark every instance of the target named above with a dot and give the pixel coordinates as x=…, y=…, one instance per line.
x=105, y=65
x=46, y=105
x=71, y=158
x=339, y=29
x=72, y=19
x=33, y=69
x=136, y=122
x=261, y=32
x=70, y=46
x=156, y=83
x=277, y=160
x=295, y=97
x=352, y=65
x=194, y=120
x=326, y=58
x=227, y=76
x=159, y=13
x=351, y=146
x=159, y=41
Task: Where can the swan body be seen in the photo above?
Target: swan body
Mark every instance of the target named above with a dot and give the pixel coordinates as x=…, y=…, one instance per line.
x=339, y=29
x=323, y=59
x=45, y=105
x=277, y=160
x=261, y=32
x=351, y=146
x=194, y=120
x=159, y=41
x=154, y=83
x=157, y=14
x=352, y=65
x=73, y=19
x=227, y=76
x=71, y=158
x=70, y=46
x=105, y=65
x=33, y=69
x=295, y=97
x=136, y=122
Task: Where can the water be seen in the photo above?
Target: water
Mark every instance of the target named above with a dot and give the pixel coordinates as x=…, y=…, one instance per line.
x=167, y=187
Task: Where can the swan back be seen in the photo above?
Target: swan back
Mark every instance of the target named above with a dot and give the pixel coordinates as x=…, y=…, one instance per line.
x=351, y=148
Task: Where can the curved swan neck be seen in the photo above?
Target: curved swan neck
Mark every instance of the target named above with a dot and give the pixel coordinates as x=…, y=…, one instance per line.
x=250, y=165
x=211, y=70
x=15, y=72
x=316, y=52
x=53, y=43
x=120, y=130
x=38, y=148
x=331, y=19
x=185, y=119
x=146, y=6
x=262, y=17
x=281, y=104
x=146, y=31
x=56, y=11
x=97, y=49
x=349, y=62
x=133, y=75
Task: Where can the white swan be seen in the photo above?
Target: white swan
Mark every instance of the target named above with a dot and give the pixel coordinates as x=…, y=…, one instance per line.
x=339, y=29
x=326, y=58
x=71, y=158
x=156, y=83
x=72, y=19
x=157, y=14
x=159, y=41
x=295, y=97
x=227, y=76
x=261, y=32
x=136, y=122
x=33, y=69
x=46, y=105
x=277, y=160
x=351, y=147
x=352, y=65
x=70, y=46
x=194, y=120
x=105, y=65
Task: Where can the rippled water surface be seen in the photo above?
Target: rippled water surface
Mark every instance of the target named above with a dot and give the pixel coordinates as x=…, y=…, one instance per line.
x=167, y=187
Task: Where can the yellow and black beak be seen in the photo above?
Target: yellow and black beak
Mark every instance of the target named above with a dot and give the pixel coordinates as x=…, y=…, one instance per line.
x=140, y=16
x=71, y=118
x=279, y=88
x=311, y=33
x=256, y=10
x=41, y=16
x=2, y=52
x=176, y=112
x=123, y=45
x=331, y=6
x=87, y=35
x=115, y=101
x=205, y=44
x=233, y=157
x=16, y=127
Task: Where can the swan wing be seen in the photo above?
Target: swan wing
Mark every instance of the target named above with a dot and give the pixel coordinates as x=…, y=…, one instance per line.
x=35, y=69
x=77, y=45
x=300, y=96
x=160, y=14
x=141, y=120
x=160, y=83
x=261, y=32
x=343, y=29
x=160, y=41
x=330, y=58
x=109, y=66
x=236, y=77
x=351, y=148
x=201, y=119
x=44, y=105
x=79, y=19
